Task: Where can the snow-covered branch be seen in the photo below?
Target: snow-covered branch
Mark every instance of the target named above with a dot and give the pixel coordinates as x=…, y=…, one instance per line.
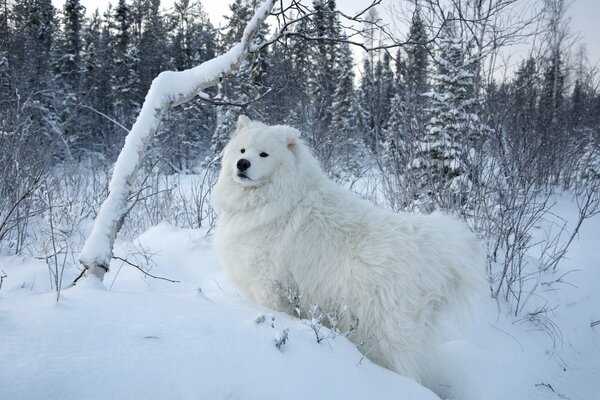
x=168, y=90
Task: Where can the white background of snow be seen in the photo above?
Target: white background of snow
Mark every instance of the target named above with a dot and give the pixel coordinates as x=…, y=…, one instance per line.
x=151, y=339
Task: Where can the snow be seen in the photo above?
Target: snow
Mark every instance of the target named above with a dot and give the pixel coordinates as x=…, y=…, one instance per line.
x=133, y=336
x=153, y=339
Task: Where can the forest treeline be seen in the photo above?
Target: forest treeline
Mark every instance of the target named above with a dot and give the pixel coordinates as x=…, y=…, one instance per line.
x=72, y=83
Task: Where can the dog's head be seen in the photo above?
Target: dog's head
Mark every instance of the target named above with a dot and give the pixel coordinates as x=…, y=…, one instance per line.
x=256, y=152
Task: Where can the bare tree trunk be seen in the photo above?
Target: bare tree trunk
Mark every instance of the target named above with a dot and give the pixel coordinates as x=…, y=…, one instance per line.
x=167, y=90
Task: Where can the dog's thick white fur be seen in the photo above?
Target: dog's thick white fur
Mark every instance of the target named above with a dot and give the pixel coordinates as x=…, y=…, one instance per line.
x=283, y=221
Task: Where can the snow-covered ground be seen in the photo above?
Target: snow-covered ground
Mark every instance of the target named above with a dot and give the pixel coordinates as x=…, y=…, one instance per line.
x=136, y=337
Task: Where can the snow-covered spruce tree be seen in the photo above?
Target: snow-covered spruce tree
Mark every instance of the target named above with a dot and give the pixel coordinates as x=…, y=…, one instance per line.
x=344, y=124
x=284, y=94
x=380, y=102
x=125, y=80
x=68, y=50
x=167, y=90
x=97, y=90
x=247, y=82
x=33, y=80
x=385, y=86
x=375, y=95
x=34, y=28
x=153, y=44
x=440, y=165
x=323, y=78
x=394, y=138
x=417, y=61
x=6, y=33
x=415, y=71
x=366, y=92
x=71, y=68
x=192, y=41
x=366, y=104
x=297, y=76
x=376, y=87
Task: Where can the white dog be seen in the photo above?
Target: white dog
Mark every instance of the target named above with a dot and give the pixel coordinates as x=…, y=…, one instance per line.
x=283, y=221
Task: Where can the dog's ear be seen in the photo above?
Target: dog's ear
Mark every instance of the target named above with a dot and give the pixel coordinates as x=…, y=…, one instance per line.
x=291, y=137
x=242, y=122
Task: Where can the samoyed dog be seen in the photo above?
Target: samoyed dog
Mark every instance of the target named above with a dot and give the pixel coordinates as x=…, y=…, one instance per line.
x=283, y=223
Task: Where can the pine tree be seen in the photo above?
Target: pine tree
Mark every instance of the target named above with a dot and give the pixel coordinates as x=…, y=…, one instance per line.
x=417, y=60
x=344, y=132
x=30, y=60
x=125, y=80
x=297, y=77
x=452, y=131
x=247, y=82
x=67, y=52
x=553, y=90
x=395, y=146
x=366, y=105
x=97, y=92
x=71, y=65
x=184, y=140
x=193, y=38
x=324, y=75
x=5, y=70
x=153, y=45
x=34, y=23
x=415, y=71
x=384, y=92
x=525, y=109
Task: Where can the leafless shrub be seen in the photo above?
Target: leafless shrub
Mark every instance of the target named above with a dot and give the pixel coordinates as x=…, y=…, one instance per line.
x=55, y=268
x=179, y=199
x=335, y=316
x=63, y=202
x=21, y=175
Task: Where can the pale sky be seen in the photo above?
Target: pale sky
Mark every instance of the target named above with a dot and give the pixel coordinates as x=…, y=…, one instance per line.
x=585, y=16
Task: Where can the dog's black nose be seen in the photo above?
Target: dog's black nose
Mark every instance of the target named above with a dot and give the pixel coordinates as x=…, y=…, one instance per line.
x=243, y=164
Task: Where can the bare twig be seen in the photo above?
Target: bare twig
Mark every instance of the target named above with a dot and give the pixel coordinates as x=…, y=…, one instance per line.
x=3, y=276
x=114, y=121
x=144, y=271
x=366, y=353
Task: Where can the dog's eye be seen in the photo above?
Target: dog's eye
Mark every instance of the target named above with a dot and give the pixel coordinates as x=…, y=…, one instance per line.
x=242, y=151
x=263, y=154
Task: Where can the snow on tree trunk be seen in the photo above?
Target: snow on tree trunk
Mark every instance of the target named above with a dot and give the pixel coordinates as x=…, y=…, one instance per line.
x=167, y=90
